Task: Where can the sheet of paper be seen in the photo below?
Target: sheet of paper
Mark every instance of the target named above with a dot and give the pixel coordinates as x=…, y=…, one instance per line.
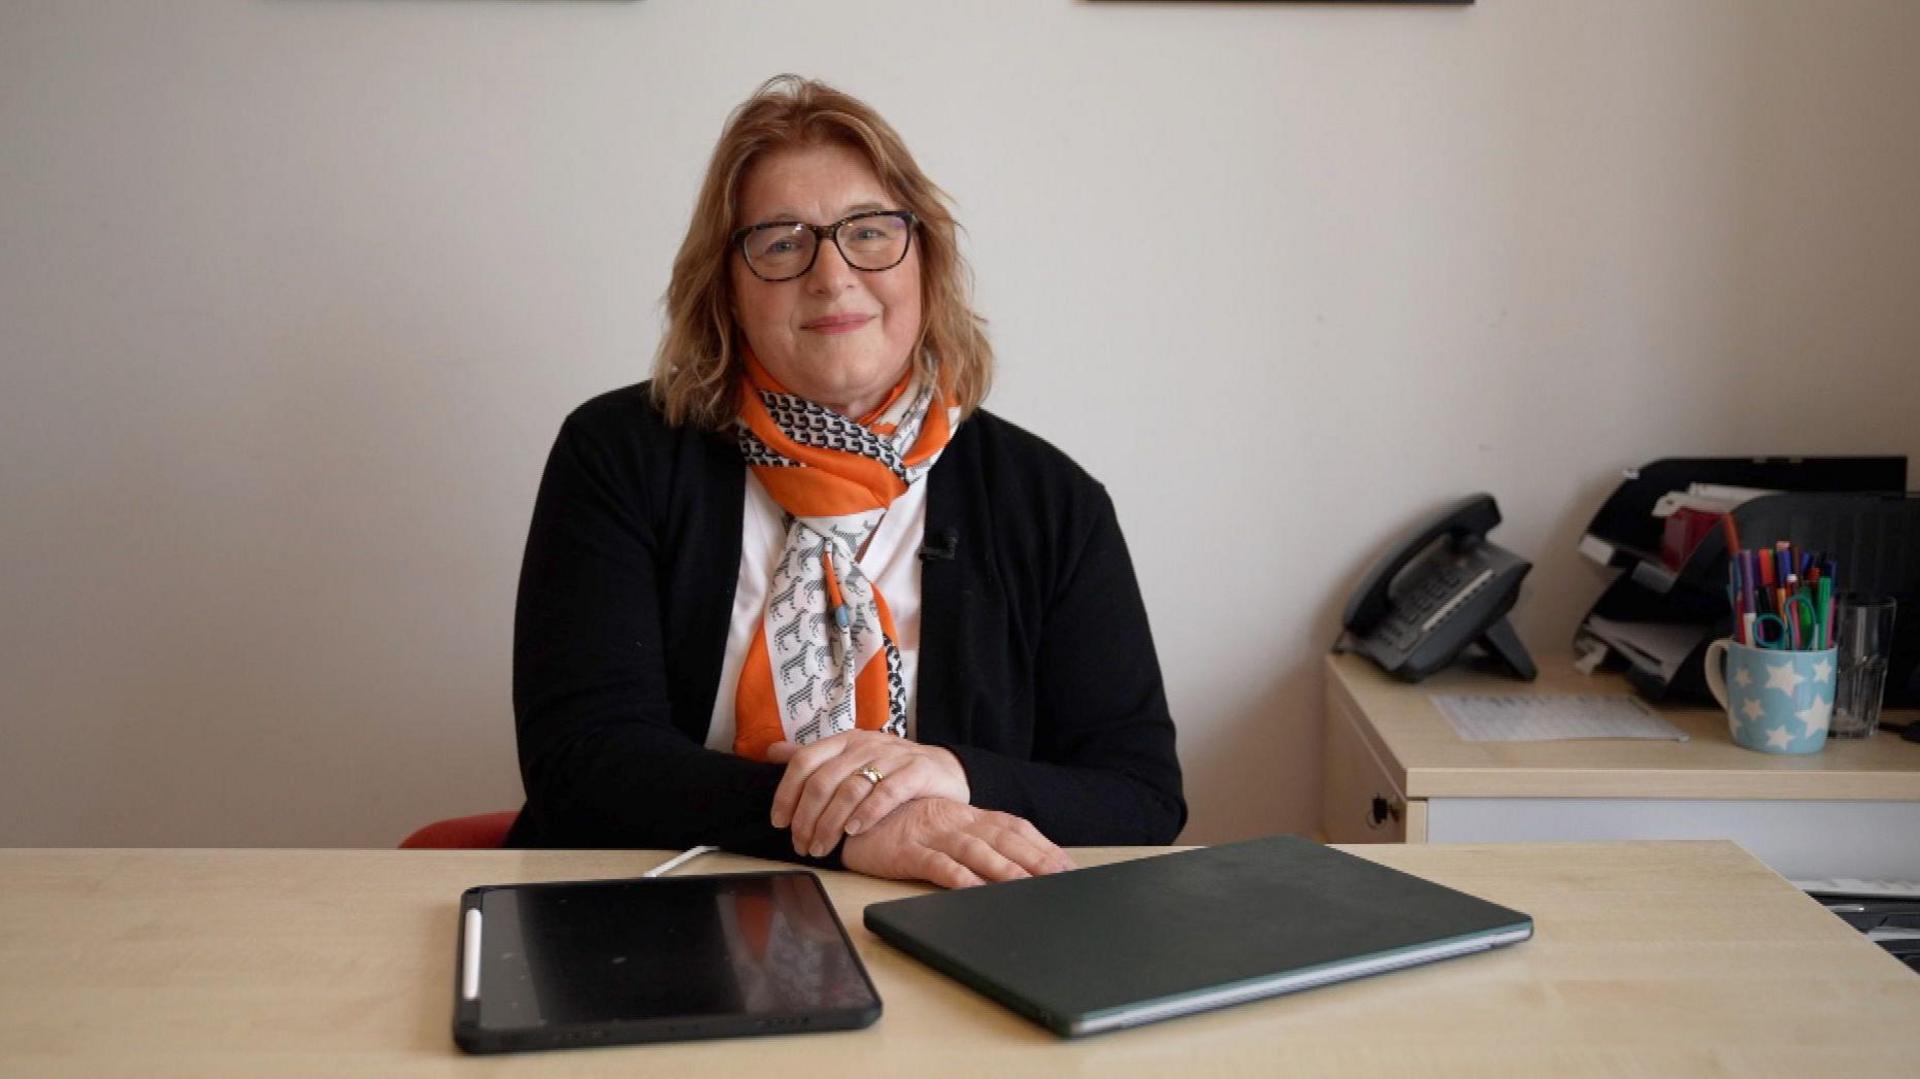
x=1660, y=646
x=1518, y=717
x=1889, y=889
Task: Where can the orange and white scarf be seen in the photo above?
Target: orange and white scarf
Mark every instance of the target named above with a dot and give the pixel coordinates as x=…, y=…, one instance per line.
x=825, y=659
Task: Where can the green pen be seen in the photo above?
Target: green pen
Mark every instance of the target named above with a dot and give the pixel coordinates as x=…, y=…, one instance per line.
x=1826, y=612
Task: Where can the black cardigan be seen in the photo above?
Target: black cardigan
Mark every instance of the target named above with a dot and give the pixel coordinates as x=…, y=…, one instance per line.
x=1036, y=665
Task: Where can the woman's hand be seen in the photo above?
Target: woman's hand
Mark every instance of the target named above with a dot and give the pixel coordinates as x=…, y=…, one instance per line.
x=825, y=791
x=952, y=845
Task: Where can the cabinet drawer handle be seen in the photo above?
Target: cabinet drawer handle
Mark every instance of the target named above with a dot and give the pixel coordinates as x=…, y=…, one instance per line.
x=1383, y=811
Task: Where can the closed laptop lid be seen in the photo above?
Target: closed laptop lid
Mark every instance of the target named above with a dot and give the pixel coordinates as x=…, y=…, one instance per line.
x=1132, y=942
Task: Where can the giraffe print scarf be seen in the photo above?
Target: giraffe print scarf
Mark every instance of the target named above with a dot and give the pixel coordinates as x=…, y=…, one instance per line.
x=825, y=658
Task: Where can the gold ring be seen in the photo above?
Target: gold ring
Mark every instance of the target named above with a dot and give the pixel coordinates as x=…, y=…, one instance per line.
x=874, y=775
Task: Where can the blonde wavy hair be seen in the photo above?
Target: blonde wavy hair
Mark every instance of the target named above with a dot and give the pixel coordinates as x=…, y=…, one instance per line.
x=698, y=364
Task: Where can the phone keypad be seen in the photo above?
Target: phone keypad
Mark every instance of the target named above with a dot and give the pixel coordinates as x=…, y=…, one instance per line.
x=1413, y=607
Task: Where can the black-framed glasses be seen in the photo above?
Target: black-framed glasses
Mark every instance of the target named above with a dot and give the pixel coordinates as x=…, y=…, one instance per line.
x=872, y=241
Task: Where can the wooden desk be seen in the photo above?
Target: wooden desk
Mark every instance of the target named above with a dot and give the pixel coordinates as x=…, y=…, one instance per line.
x=1395, y=771
x=1668, y=958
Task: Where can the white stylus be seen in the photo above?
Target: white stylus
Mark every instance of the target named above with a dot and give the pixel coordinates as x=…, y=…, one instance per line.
x=470, y=956
x=677, y=861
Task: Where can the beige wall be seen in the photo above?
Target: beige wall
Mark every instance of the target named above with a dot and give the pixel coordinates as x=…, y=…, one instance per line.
x=294, y=295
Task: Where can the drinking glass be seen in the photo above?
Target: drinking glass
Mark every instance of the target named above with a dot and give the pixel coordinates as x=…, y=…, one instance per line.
x=1863, y=630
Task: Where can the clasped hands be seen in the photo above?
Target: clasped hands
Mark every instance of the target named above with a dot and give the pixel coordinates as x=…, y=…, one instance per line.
x=913, y=823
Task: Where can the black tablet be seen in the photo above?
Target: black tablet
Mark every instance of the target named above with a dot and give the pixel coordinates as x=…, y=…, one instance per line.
x=1135, y=942
x=578, y=963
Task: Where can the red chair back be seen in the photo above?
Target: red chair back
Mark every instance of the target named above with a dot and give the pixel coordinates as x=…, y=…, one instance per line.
x=484, y=831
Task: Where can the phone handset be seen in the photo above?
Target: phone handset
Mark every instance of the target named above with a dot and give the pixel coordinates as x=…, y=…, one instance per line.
x=1412, y=619
x=1469, y=520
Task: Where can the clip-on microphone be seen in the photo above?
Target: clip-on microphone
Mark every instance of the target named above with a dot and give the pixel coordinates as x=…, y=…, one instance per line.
x=942, y=548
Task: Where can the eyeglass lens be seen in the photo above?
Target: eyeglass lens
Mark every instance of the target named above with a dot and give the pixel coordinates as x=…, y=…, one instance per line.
x=876, y=242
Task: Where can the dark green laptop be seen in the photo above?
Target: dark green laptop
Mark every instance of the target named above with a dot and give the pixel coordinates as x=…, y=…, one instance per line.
x=1135, y=942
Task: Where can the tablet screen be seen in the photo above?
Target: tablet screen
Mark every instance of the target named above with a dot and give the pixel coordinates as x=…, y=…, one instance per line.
x=675, y=957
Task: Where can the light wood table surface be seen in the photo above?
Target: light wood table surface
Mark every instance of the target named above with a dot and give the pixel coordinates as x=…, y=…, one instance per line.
x=1666, y=958
x=1433, y=762
x=1395, y=771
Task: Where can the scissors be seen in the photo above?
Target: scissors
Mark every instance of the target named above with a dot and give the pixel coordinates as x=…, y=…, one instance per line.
x=1782, y=637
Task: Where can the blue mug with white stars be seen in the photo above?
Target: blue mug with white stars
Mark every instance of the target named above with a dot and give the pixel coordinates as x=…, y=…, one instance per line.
x=1777, y=701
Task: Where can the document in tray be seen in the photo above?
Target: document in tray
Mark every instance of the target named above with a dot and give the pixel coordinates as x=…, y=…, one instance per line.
x=1517, y=717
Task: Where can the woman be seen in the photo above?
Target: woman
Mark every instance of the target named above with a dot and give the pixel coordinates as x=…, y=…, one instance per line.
x=799, y=596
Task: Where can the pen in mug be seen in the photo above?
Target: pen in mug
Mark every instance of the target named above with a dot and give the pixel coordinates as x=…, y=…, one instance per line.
x=1749, y=571
x=1794, y=613
x=1746, y=592
x=1750, y=592
x=1745, y=625
x=1791, y=611
x=1736, y=598
x=1832, y=574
